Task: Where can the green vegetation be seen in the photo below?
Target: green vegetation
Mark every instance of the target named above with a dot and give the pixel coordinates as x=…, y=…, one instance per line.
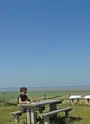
x=80, y=113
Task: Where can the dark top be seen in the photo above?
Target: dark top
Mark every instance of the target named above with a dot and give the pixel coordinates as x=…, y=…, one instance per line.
x=23, y=97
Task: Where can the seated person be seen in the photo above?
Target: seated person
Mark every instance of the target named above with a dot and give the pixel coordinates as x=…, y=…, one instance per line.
x=23, y=98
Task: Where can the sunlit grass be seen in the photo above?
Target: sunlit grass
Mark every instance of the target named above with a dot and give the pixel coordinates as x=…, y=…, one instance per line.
x=80, y=113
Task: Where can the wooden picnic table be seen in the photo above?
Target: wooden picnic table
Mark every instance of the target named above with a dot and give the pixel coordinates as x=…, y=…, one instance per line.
x=30, y=114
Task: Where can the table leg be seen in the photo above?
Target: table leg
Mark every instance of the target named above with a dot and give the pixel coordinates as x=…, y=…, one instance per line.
x=33, y=116
x=28, y=116
x=46, y=120
x=72, y=101
x=77, y=101
x=40, y=109
x=53, y=107
x=88, y=101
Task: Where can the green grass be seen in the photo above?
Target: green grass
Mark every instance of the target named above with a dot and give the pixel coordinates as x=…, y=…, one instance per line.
x=80, y=114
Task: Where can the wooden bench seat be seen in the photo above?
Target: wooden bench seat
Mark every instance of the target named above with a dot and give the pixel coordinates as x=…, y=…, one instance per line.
x=16, y=115
x=45, y=116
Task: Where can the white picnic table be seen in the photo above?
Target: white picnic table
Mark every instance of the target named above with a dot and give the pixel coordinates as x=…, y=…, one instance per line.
x=30, y=114
x=79, y=97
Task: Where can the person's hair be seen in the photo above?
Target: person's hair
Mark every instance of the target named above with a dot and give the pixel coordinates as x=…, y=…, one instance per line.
x=22, y=89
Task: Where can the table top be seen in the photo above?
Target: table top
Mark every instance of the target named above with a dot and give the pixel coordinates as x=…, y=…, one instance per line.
x=43, y=102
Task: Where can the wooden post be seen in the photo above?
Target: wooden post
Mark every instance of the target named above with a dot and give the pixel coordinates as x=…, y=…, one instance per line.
x=40, y=110
x=69, y=94
x=33, y=116
x=16, y=118
x=77, y=101
x=28, y=116
x=72, y=101
x=46, y=120
x=44, y=96
x=88, y=101
x=66, y=114
x=53, y=107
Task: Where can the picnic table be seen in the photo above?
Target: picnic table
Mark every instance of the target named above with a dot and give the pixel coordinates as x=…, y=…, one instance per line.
x=78, y=98
x=30, y=114
x=75, y=97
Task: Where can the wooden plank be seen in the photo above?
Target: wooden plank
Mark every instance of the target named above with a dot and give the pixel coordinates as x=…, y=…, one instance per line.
x=39, y=103
x=28, y=116
x=48, y=102
x=46, y=116
x=33, y=116
x=16, y=115
x=56, y=111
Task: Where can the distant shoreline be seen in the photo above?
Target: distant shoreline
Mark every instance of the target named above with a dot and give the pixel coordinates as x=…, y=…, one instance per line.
x=87, y=87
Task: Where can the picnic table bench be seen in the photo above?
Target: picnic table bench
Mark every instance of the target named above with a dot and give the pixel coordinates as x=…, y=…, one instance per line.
x=31, y=108
x=16, y=115
x=31, y=116
x=46, y=116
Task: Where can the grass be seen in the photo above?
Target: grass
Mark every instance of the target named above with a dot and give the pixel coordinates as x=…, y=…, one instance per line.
x=80, y=114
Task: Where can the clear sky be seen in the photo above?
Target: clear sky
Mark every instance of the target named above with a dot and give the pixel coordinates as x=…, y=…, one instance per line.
x=44, y=43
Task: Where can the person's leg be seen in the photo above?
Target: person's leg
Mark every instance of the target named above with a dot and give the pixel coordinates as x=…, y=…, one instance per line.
x=22, y=109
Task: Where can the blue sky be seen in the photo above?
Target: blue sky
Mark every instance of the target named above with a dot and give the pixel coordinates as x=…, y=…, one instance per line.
x=44, y=43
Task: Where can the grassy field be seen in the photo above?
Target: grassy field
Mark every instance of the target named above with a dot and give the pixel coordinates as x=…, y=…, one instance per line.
x=80, y=113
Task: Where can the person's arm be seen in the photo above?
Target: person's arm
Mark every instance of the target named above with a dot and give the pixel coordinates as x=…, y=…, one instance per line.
x=30, y=100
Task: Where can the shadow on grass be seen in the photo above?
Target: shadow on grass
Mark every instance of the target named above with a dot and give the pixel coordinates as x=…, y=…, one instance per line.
x=74, y=119
x=59, y=120
x=63, y=120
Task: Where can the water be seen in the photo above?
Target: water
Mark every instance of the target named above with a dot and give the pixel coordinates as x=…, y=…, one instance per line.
x=48, y=88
